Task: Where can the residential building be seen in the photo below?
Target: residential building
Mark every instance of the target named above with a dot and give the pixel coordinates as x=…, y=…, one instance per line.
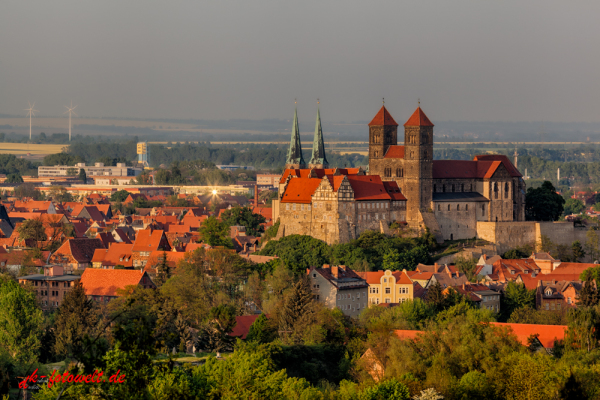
x=103, y=285
x=555, y=295
x=339, y=286
x=145, y=243
x=270, y=180
x=76, y=254
x=391, y=287
x=51, y=286
x=479, y=294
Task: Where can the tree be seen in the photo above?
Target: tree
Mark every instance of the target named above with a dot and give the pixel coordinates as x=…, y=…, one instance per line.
x=20, y=322
x=221, y=321
x=14, y=178
x=119, y=196
x=572, y=389
x=391, y=260
x=584, y=328
x=516, y=296
x=71, y=171
x=429, y=394
x=60, y=194
x=261, y=331
x=466, y=266
x=390, y=389
x=573, y=206
x=298, y=252
x=245, y=217
x=32, y=229
x=592, y=244
x=82, y=175
x=215, y=233
x=163, y=270
x=435, y=296
x=543, y=203
x=577, y=251
x=28, y=190
x=77, y=320
x=588, y=296
x=296, y=308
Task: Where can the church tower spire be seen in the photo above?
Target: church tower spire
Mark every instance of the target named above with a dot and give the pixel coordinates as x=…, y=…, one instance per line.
x=294, y=157
x=318, y=159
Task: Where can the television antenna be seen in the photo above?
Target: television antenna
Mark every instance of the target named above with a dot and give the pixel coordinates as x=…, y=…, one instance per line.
x=70, y=111
x=31, y=113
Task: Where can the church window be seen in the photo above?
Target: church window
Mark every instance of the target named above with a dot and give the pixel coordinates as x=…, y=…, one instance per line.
x=496, y=190
x=399, y=172
x=466, y=207
x=506, y=190
x=376, y=154
x=439, y=208
x=387, y=172
x=458, y=207
x=448, y=207
x=412, y=154
x=452, y=188
x=443, y=188
x=462, y=187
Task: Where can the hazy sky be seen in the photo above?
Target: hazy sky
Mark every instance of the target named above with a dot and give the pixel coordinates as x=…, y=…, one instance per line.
x=466, y=60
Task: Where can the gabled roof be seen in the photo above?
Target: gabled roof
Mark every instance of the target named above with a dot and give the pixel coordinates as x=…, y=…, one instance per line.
x=300, y=190
x=81, y=249
x=242, y=325
x=393, y=190
x=316, y=172
x=480, y=167
x=383, y=117
x=106, y=238
x=418, y=119
x=368, y=187
x=394, y=151
x=106, y=282
x=512, y=170
x=547, y=333
x=148, y=241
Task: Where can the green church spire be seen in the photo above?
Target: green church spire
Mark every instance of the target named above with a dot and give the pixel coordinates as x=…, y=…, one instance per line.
x=294, y=157
x=318, y=159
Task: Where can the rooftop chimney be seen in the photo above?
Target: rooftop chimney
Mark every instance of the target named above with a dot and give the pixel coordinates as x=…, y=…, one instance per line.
x=334, y=271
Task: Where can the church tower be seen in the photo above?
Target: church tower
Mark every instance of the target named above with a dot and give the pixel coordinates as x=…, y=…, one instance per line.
x=294, y=156
x=318, y=159
x=418, y=165
x=383, y=132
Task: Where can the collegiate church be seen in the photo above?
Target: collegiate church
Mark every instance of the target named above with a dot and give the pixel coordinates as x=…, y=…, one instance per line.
x=401, y=184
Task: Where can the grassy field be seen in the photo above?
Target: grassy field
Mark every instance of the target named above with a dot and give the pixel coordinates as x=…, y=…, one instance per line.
x=24, y=148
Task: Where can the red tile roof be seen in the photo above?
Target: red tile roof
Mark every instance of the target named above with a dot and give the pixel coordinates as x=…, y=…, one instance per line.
x=383, y=117
x=418, y=119
x=266, y=212
x=393, y=190
x=503, y=159
x=316, y=172
x=81, y=249
x=402, y=278
x=147, y=240
x=106, y=282
x=300, y=190
x=395, y=151
x=547, y=333
x=106, y=238
x=478, y=168
x=372, y=277
x=242, y=325
x=407, y=334
x=117, y=254
x=368, y=187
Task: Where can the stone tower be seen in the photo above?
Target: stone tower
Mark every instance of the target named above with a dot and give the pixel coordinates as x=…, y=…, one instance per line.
x=318, y=159
x=383, y=132
x=418, y=165
x=294, y=157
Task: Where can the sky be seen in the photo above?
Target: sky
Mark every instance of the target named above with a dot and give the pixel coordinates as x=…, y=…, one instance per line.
x=465, y=60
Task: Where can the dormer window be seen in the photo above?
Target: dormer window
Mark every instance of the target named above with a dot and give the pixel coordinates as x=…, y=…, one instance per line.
x=549, y=292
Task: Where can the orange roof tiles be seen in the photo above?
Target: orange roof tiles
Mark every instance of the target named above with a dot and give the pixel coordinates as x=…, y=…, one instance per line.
x=368, y=187
x=418, y=119
x=547, y=333
x=394, y=151
x=147, y=240
x=393, y=190
x=106, y=282
x=503, y=159
x=372, y=277
x=407, y=334
x=402, y=278
x=383, y=117
x=242, y=325
x=300, y=190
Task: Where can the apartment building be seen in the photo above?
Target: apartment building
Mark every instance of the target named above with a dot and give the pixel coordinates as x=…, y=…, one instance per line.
x=51, y=286
x=98, y=169
x=339, y=286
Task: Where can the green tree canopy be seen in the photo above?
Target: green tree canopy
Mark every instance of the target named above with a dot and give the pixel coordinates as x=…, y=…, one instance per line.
x=543, y=203
x=119, y=195
x=244, y=216
x=215, y=233
x=14, y=178
x=298, y=252
x=32, y=229
x=573, y=206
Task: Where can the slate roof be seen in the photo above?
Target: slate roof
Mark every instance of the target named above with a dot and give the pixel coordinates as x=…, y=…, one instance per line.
x=81, y=249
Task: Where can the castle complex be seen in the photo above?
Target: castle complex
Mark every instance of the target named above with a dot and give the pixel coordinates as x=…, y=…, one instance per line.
x=403, y=183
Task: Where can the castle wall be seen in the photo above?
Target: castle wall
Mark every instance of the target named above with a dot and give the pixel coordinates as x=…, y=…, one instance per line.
x=457, y=220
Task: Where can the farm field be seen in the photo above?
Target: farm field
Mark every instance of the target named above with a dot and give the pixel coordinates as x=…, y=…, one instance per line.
x=33, y=149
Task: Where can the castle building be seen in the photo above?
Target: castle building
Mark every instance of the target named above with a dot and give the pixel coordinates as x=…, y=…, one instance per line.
x=403, y=184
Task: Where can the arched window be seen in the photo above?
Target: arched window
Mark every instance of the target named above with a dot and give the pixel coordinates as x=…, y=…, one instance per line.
x=439, y=208
x=466, y=207
x=399, y=172
x=452, y=188
x=448, y=207
x=462, y=187
x=458, y=207
x=496, y=190
x=443, y=188
x=376, y=154
x=387, y=172
x=506, y=190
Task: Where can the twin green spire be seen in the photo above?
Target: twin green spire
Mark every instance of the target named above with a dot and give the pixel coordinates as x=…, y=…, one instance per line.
x=294, y=156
